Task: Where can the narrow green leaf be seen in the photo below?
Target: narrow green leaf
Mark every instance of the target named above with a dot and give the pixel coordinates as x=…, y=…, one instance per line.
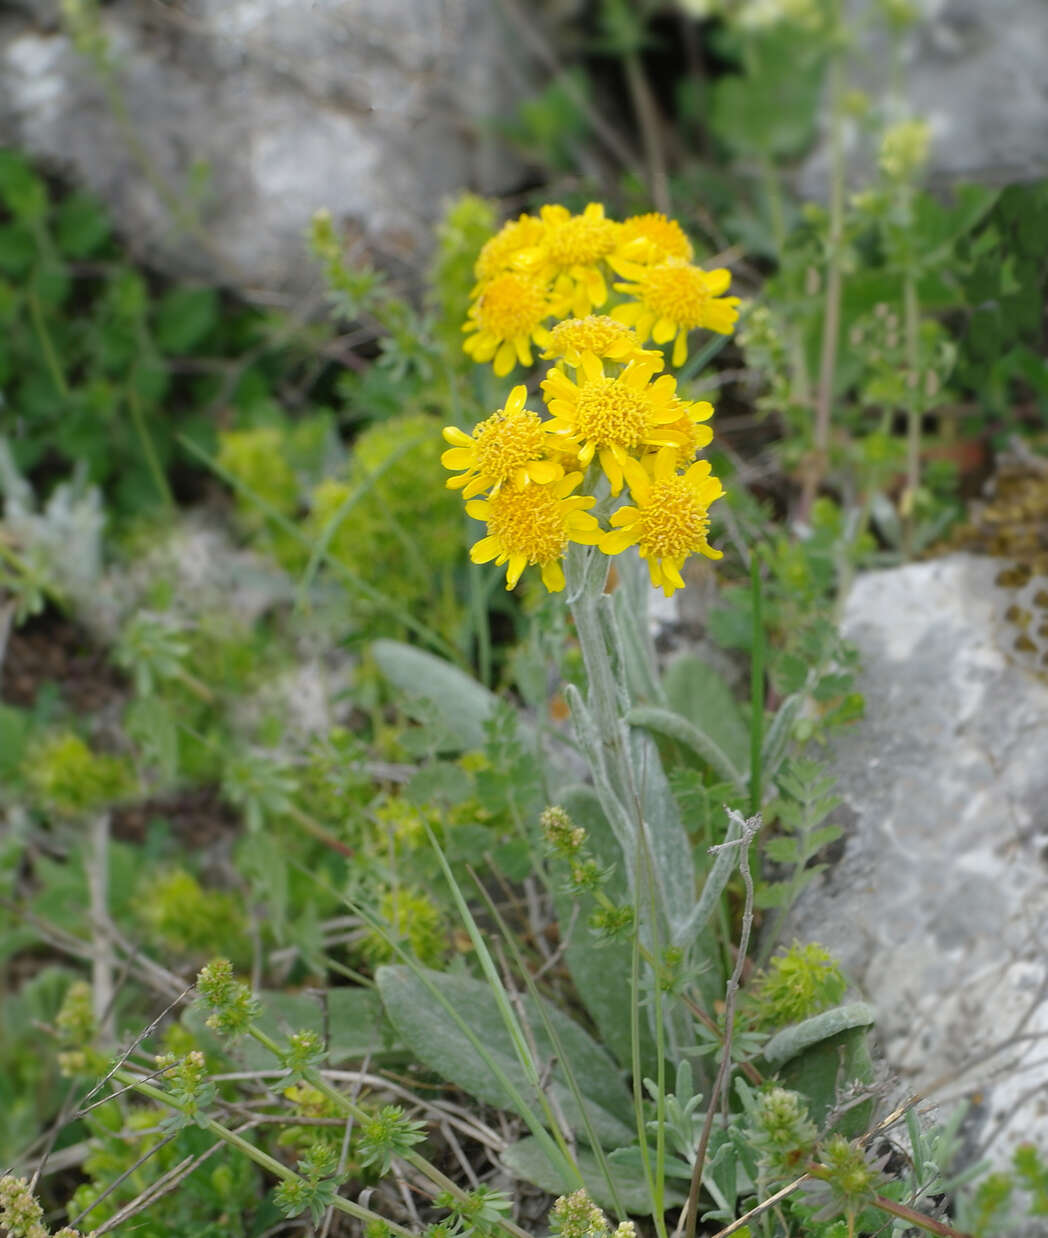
x=666, y=837
x=716, y=881
x=777, y=736
x=355, y=582
x=672, y=725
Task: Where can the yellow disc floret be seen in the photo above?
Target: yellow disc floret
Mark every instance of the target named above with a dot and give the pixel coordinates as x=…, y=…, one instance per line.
x=505, y=318
x=599, y=334
x=569, y=257
x=534, y=526
x=672, y=298
x=653, y=238
x=541, y=282
x=690, y=425
x=512, y=445
x=578, y=240
x=612, y=417
x=501, y=253
x=670, y=520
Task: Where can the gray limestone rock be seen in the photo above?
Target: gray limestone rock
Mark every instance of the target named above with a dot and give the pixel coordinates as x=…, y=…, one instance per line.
x=376, y=109
x=938, y=907
x=975, y=71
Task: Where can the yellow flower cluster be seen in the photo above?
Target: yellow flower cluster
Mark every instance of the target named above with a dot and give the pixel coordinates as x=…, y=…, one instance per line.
x=613, y=417
x=554, y=265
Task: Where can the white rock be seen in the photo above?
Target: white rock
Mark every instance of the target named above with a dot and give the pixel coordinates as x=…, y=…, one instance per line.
x=939, y=905
x=376, y=109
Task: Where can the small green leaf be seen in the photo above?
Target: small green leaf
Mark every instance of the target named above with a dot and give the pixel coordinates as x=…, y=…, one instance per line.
x=184, y=317
x=21, y=190
x=17, y=249
x=81, y=226
x=14, y=733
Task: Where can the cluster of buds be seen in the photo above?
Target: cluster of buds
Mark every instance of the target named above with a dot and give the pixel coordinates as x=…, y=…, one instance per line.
x=577, y=1216
x=586, y=875
x=20, y=1213
x=229, y=1002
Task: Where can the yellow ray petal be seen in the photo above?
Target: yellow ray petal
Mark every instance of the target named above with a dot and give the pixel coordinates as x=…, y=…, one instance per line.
x=485, y=550
x=553, y=576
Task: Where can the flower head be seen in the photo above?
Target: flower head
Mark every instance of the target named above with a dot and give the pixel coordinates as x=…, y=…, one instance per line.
x=534, y=525
x=612, y=417
x=672, y=298
x=690, y=424
x=504, y=320
x=597, y=334
x=569, y=255
x=511, y=445
x=501, y=253
x=670, y=520
x=653, y=238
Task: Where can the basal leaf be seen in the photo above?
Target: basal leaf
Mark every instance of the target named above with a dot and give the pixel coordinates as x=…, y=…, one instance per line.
x=700, y=693
x=527, y=1160
x=431, y=1033
x=462, y=704
x=795, y=1039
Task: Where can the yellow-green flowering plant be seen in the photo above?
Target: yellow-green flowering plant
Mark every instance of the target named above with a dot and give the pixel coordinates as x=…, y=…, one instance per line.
x=611, y=463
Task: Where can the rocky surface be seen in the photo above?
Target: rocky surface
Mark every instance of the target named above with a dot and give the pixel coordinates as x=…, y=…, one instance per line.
x=939, y=906
x=975, y=72
x=376, y=109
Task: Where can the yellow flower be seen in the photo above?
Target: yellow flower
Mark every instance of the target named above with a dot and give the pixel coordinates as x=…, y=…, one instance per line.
x=598, y=334
x=500, y=254
x=694, y=433
x=505, y=318
x=534, y=525
x=612, y=417
x=672, y=298
x=510, y=445
x=670, y=520
x=653, y=238
x=568, y=258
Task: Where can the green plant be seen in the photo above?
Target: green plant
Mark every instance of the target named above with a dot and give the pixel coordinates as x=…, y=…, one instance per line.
x=422, y=890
